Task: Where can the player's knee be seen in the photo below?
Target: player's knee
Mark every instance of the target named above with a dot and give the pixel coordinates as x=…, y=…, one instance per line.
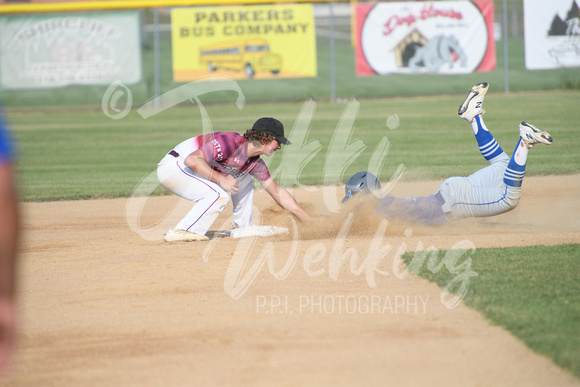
x=512, y=203
x=512, y=197
x=222, y=199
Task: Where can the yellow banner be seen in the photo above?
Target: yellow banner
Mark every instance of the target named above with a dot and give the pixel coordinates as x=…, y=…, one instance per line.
x=244, y=42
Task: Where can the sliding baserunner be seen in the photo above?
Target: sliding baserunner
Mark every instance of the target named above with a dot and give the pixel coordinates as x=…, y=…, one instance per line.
x=490, y=191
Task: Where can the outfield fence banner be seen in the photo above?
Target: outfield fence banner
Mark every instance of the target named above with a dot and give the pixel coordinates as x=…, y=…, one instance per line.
x=447, y=37
x=44, y=51
x=11, y=2
x=552, y=34
x=244, y=42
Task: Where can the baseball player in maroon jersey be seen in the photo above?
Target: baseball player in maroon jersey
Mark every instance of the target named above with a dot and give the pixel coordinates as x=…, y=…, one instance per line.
x=209, y=168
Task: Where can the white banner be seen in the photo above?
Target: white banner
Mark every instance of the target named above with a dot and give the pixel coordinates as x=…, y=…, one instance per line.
x=552, y=34
x=445, y=37
x=43, y=51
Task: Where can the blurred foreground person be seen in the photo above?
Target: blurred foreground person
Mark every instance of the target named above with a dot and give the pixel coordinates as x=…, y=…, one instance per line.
x=9, y=233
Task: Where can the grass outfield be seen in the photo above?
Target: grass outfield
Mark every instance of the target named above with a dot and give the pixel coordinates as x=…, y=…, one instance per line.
x=82, y=154
x=533, y=292
x=79, y=154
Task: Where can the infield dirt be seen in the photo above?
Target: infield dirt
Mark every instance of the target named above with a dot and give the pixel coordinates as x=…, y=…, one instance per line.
x=102, y=304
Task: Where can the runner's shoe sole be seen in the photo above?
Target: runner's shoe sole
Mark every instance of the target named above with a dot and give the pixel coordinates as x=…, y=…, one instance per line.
x=472, y=105
x=531, y=135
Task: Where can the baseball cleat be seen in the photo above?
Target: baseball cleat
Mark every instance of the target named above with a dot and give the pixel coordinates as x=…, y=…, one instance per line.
x=183, y=236
x=472, y=106
x=531, y=135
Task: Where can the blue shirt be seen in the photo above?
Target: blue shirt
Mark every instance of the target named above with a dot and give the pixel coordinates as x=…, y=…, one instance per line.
x=6, y=145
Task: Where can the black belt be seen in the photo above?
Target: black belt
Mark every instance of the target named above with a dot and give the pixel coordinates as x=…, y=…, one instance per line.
x=174, y=153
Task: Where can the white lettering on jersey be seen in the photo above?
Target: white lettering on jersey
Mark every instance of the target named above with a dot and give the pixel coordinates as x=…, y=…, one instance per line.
x=218, y=148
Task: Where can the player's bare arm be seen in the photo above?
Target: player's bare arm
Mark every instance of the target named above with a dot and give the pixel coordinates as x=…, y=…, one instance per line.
x=287, y=201
x=196, y=162
x=9, y=231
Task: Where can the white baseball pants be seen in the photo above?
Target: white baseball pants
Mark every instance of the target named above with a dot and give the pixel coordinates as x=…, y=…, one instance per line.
x=210, y=197
x=482, y=193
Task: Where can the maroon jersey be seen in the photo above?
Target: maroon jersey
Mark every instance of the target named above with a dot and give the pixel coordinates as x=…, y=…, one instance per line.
x=227, y=153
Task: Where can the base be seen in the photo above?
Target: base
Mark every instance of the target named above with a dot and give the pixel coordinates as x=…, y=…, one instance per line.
x=256, y=231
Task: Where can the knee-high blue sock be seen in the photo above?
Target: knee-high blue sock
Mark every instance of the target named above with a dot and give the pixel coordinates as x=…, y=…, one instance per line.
x=488, y=147
x=514, y=173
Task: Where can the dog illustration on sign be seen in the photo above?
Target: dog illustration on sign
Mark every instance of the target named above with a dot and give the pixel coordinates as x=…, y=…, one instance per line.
x=437, y=52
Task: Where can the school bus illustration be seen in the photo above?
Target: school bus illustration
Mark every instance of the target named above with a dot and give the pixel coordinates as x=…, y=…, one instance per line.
x=249, y=55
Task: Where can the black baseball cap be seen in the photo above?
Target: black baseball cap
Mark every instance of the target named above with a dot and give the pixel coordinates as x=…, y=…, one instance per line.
x=272, y=127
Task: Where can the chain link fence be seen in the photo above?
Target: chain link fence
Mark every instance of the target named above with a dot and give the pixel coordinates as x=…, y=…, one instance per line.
x=336, y=79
